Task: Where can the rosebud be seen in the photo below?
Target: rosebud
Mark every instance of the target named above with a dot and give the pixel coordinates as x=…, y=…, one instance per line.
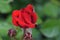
x=11, y=33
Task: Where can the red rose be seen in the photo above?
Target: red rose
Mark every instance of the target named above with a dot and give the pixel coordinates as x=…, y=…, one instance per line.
x=25, y=18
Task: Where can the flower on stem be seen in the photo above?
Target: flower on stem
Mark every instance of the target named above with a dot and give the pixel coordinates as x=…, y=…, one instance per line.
x=24, y=18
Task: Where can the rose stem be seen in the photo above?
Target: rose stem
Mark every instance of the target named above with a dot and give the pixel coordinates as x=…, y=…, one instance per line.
x=13, y=38
x=27, y=34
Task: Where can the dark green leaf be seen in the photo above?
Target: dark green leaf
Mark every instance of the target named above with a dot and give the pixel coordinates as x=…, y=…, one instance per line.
x=51, y=10
x=51, y=28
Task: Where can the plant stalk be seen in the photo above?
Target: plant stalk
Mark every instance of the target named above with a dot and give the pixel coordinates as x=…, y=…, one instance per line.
x=27, y=34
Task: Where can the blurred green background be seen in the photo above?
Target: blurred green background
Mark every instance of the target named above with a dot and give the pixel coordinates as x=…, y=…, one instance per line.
x=48, y=24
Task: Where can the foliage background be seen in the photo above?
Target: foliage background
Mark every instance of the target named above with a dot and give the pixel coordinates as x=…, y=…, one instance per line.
x=48, y=24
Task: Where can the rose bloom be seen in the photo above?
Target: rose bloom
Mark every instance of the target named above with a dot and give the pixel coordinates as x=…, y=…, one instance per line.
x=25, y=17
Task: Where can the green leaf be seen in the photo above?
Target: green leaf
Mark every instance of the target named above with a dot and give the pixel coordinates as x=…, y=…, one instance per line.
x=6, y=1
x=4, y=27
x=38, y=1
x=38, y=9
x=39, y=21
x=0, y=38
x=9, y=19
x=56, y=2
x=57, y=37
x=19, y=35
x=51, y=10
x=4, y=6
x=25, y=1
x=36, y=34
x=51, y=28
